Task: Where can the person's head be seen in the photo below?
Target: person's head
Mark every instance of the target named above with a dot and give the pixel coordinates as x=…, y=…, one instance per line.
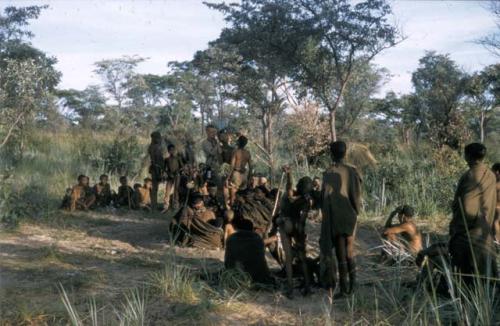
x=171, y=149
x=496, y=169
x=262, y=181
x=338, y=150
x=259, y=193
x=197, y=202
x=123, y=180
x=148, y=183
x=137, y=186
x=474, y=153
x=317, y=183
x=224, y=136
x=241, y=224
x=406, y=213
x=211, y=131
x=83, y=180
x=304, y=186
x=212, y=189
x=104, y=178
x=242, y=142
x=155, y=137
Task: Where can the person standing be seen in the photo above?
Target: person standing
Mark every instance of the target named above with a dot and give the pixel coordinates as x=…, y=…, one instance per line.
x=471, y=244
x=155, y=151
x=340, y=205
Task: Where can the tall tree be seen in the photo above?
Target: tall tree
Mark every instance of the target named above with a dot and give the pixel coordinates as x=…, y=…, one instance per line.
x=439, y=92
x=321, y=41
x=483, y=92
x=85, y=107
x=116, y=75
x=27, y=75
x=492, y=41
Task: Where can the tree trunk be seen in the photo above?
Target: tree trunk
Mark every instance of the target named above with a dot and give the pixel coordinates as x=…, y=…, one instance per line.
x=333, y=130
x=481, y=126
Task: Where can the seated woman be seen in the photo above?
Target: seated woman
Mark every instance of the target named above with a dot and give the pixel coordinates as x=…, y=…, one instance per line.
x=197, y=226
x=405, y=230
x=245, y=251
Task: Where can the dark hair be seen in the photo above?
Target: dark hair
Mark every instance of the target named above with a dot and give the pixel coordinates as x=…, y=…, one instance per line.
x=210, y=127
x=475, y=151
x=211, y=184
x=304, y=186
x=338, y=149
x=148, y=180
x=263, y=189
x=81, y=176
x=407, y=211
x=242, y=141
x=242, y=224
x=496, y=167
x=137, y=185
x=155, y=135
x=123, y=178
x=103, y=176
x=195, y=198
x=170, y=146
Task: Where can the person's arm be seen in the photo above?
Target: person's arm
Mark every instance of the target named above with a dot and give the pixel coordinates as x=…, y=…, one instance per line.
x=289, y=182
x=405, y=227
x=388, y=223
x=355, y=193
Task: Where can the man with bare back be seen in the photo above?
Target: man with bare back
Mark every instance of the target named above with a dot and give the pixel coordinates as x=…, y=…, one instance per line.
x=406, y=228
x=241, y=169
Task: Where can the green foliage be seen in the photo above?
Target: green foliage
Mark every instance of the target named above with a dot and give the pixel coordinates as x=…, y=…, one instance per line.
x=123, y=156
x=439, y=89
x=421, y=177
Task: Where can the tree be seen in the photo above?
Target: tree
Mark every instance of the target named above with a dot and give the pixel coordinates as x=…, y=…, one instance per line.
x=27, y=76
x=492, y=41
x=88, y=105
x=116, y=75
x=483, y=92
x=320, y=41
x=398, y=112
x=439, y=92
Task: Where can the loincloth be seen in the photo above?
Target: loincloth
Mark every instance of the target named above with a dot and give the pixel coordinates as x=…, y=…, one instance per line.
x=238, y=180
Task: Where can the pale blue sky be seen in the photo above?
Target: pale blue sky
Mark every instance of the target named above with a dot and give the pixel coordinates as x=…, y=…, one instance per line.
x=80, y=32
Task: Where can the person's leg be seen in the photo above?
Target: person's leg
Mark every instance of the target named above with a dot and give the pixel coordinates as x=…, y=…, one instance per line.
x=175, y=192
x=287, y=246
x=169, y=187
x=154, y=193
x=351, y=263
x=341, y=253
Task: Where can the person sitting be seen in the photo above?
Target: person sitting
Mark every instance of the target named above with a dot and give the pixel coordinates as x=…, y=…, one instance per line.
x=81, y=197
x=212, y=201
x=406, y=228
x=142, y=195
x=125, y=194
x=197, y=226
x=103, y=192
x=245, y=251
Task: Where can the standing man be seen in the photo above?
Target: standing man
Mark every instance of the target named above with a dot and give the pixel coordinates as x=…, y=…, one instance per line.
x=213, y=154
x=471, y=228
x=241, y=169
x=173, y=168
x=340, y=205
x=155, y=151
x=496, y=224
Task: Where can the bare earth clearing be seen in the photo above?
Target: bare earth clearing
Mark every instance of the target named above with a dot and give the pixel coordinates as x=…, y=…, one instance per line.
x=103, y=254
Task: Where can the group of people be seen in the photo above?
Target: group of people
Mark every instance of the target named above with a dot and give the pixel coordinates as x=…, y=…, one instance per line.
x=222, y=203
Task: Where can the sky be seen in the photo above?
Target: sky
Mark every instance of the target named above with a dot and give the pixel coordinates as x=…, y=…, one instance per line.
x=81, y=32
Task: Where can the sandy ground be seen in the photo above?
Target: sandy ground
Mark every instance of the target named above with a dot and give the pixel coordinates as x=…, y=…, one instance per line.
x=102, y=254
